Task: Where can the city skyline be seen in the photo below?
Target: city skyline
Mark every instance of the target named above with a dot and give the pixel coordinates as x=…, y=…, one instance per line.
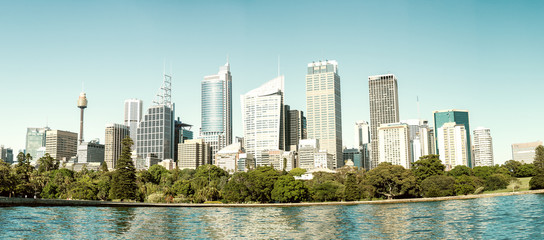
x=435, y=54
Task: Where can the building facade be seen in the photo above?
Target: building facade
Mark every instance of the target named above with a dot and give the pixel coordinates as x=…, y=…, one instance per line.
x=35, y=139
x=295, y=125
x=452, y=145
x=394, y=144
x=6, y=154
x=525, y=152
x=384, y=108
x=307, y=149
x=61, y=145
x=217, y=109
x=362, y=134
x=458, y=117
x=324, y=107
x=115, y=133
x=262, y=114
x=133, y=116
x=356, y=156
x=482, y=147
x=155, y=136
x=194, y=153
x=92, y=151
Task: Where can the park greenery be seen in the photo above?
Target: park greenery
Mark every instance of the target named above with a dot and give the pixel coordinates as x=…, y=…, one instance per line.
x=209, y=183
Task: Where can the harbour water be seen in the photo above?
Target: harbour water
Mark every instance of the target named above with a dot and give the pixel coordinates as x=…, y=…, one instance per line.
x=505, y=217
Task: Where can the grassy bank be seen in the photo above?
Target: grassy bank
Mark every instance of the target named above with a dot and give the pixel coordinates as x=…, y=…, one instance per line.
x=524, y=186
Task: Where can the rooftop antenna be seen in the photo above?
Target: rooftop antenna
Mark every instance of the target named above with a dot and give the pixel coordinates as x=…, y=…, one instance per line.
x=164, y=96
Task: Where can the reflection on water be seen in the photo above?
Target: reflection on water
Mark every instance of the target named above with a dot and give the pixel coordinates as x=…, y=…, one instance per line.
x=496, y=218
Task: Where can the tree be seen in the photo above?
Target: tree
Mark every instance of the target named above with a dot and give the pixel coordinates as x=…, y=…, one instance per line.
x=497, y=181
x=261, y=183
x=460, y=170
x=427, y=166
x=482, y=171
x=236, y=189
x=537, y=182
x=352, y=191
x=183, y=188
x=104, y=167
x=297, y=172
x=47, y=163
x=392, y=180
x=327, y=191
x=512, y=166
x=539, y=159
x=438, y=186
x=465, y=184
x=7, y=179
x=289, y=190
x=123, y=184
x=158, y=173
x=526, y=170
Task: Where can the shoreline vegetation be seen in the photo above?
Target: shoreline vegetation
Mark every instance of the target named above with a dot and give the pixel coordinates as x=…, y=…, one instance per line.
x=30, y=202
x=426, y=179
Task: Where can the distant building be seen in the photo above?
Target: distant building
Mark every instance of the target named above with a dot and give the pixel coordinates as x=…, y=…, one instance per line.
x=115, y=133
x=92, y=151
x=61, y=145
x=35, y=139
x=362, y=134
x=452, y=145
x=525, y=152
x=482, y=147
x=193, y=153
x=394, y=144
x=457, y=117
x=295, y=126
x=6, y=154
x=246, y=162
x=324, y=107
x=182, y=132
x=307, y=148
x=228, y=157
x=288, y=160
x=384, y=108
x=216, y=106
x=323, y=159
x=133, y=116
x=356, y=156
x=262, y=117
x=169, y=164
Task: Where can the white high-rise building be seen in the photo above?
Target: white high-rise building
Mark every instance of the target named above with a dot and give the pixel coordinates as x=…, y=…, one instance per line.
x=394, y=144
x=115, y=133
x=133, y=116
x=262, y=114
x=452, y=145
x=384, y=108
x=307, y=148
x=362, y=134
x=216, y=114
x=324, y=108
x=483, y=147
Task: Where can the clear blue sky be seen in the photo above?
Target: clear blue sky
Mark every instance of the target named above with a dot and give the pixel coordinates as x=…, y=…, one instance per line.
x=483, y=56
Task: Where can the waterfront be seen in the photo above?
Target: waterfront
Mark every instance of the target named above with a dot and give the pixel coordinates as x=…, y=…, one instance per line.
x=518, y=216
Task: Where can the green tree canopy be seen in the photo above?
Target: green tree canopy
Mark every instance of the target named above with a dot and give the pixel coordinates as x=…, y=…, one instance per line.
x=537, y=182
x=427, y=166
x=288, y=190
x=539, y=159
x=297, y=171
x=392, y=180
x=123, y=185
x=236, y=189
x=460, y=170
x=438, y=186
x=261, y=183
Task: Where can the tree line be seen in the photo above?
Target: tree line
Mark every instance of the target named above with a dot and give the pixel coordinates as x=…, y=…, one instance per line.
x=209, y=183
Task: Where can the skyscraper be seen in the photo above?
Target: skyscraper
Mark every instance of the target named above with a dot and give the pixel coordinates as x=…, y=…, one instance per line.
x=295, y=127
x=115, y=133
x=384, y=108
x=362, y=133
x=452, y=145
x=6, y=154
x=133, y=116
x=217, y=109
x=483, y=147
x=155, y=137
x=457, y=117
x=394, y=144
x=194, y=153
x=262, y=110
x=61, y=145
x=35, y=139
x=324, y=108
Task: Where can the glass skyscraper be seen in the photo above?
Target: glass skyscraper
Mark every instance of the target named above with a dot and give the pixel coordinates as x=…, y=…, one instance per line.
x=133, y=115
x=459, y=117
x=35, y=139
x=217, y=109
x=323, y=103
x=262, y=113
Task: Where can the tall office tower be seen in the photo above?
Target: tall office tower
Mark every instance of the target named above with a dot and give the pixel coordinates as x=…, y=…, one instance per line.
x=525, y=152
x=155, y=137
x=483, y=147
x=414, y=126
x=384, y=108
x=426, y=140
x=217, y=109
x=133, y=116
x=295, y=128
x=115, y=133
x=324, y=108
x=194, y=153
x=307, y=149
x=362, y=133
x=262, y=110
x=61, y=145
x=182, y=132
x=452, y=145
x=6, y=154
x=35, y=139
x=457, y=117
x=394, y=144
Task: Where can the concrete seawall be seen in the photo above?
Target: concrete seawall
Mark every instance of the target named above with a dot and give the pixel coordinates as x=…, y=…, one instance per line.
x=30, y=202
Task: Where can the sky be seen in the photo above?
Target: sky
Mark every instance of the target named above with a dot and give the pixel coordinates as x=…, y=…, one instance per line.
x=482, y=56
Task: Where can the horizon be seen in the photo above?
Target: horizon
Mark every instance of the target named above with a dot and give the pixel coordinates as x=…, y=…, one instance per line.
x=477, y=56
